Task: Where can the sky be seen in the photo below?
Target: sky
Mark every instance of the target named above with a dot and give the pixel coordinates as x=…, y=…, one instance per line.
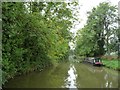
x=85, y=6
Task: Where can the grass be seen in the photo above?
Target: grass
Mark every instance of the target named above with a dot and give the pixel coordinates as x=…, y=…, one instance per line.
x=114, y=64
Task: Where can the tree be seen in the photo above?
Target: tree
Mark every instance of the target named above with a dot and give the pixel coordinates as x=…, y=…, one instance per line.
x=35, y=35
x=100, y=27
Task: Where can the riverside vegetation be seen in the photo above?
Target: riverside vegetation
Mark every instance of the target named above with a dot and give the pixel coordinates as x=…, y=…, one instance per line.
x=35, y=35
x=100, y=36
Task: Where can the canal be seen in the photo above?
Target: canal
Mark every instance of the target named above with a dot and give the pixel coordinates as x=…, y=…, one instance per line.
x=68, y=75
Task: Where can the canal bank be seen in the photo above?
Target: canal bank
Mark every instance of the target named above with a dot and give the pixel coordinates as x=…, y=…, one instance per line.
x=112, y=64
x=68, y=75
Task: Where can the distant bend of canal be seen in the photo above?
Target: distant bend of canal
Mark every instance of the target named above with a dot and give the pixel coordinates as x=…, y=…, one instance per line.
x=68, y=75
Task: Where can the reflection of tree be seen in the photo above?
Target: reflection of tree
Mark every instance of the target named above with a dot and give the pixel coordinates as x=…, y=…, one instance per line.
x=89, y=76
x=108, y=84
x=110, y=80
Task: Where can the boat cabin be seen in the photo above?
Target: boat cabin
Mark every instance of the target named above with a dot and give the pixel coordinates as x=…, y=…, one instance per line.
x=97, y=61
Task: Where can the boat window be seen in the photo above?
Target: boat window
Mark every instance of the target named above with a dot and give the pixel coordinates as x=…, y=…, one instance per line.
x=97, y=60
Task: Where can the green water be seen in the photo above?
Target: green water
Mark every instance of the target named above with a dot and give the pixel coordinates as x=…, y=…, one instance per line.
x=68, y=75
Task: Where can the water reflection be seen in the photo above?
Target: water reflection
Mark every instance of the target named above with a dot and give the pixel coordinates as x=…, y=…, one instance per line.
x=52, y=77
x=99, y=76
x=68, y=75
x=70, y=82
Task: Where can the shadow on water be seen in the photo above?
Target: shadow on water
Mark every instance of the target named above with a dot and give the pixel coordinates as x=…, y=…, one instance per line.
x=68, y=75
x=52, y=77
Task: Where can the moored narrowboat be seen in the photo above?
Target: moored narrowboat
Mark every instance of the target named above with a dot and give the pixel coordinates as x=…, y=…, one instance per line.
x=96, y=61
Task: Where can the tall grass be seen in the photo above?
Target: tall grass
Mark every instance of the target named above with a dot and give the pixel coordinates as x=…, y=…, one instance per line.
x=114, y=64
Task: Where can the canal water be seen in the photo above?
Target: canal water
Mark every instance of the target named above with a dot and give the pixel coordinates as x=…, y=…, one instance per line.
x=68, y=75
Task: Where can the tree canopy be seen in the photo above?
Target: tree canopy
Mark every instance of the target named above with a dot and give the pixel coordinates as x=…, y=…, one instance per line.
x=99, y=35
x=35, y=34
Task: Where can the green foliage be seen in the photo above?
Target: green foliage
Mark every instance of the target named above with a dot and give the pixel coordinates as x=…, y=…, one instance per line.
x=111, y=64
x=85, y=42
x=35, y=35
x=96, y=38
